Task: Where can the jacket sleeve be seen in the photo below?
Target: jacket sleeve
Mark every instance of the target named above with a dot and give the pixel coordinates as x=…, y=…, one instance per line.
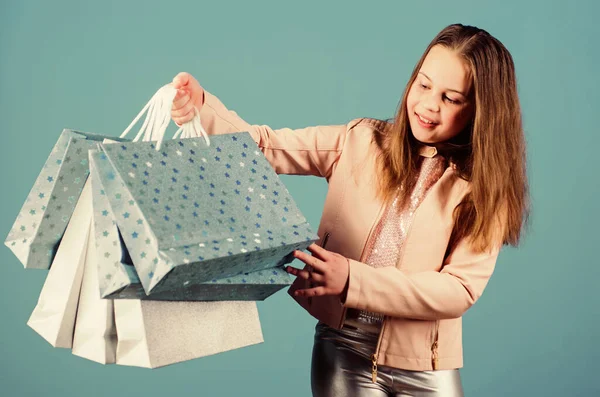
x=426, y=295
x=306, y=151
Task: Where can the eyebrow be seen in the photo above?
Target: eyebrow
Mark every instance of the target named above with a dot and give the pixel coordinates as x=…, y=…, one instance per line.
x=448, y=89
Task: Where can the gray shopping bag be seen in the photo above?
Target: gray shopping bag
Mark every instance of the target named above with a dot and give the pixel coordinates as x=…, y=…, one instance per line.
x=153, y=334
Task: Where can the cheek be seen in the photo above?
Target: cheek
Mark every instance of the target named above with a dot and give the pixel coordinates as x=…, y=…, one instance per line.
x=456, y=120
x=411, y=100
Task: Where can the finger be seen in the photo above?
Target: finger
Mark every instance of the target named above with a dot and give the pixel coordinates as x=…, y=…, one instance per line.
x=181, y=80
x=319, y=251
x=311, y=292
x=183, y=111
x=180, y=94
x=316, y=263
x=180, y=120
x=304, y=274
x=180, y=100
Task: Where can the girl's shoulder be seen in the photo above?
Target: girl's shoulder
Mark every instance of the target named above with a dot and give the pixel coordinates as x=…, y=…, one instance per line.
x=371, y=124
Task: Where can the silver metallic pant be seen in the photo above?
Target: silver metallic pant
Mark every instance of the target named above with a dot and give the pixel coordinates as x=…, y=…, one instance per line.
x=341, y=367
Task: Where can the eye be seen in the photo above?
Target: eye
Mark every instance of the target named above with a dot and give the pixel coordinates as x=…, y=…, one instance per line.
x=452, y=101
x=423, y=86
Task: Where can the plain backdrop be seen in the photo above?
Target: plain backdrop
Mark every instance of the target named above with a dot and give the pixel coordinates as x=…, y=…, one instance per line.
x=92, y=65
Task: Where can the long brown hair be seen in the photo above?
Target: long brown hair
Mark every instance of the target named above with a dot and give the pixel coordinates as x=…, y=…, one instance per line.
x=489, y=153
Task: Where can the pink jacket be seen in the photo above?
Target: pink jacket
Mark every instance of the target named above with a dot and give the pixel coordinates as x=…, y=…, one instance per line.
x=425, y=295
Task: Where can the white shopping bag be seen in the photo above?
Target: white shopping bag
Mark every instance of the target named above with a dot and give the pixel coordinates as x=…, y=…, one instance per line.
x=95, y=335
x=54, y=315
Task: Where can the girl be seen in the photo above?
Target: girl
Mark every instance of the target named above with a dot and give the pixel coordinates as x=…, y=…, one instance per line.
x=416, y=213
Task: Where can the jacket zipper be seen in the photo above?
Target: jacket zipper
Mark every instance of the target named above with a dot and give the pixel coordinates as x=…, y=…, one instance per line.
x=434, y=345
x=362, y=255
x=375, y=356
x=374, y=368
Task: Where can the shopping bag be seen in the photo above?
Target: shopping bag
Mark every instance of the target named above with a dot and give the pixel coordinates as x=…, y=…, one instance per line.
x=41, y=223
x=95, y=336
x=54, y=315
x=95, y=331
x=119, y=280
x=189, y=213
x=154, y=334
x=42, y=220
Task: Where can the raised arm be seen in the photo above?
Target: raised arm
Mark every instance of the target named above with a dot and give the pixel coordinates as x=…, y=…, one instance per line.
x=305, y=151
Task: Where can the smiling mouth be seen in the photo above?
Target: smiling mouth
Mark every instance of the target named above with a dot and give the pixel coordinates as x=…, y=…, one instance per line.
x=424, y=120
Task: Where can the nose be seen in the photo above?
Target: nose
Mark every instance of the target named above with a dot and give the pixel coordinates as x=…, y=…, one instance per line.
x=431, y=103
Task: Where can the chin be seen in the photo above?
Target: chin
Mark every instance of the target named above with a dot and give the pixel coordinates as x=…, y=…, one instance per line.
x=423, y=137
x=426, y=137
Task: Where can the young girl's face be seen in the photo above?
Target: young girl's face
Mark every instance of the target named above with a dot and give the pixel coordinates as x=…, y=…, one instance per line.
x=439, y=101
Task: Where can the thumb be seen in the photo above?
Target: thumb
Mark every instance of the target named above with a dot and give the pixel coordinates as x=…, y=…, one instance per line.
x=181, y=80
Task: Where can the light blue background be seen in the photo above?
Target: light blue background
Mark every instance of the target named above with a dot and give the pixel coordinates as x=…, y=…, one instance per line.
x=93, y=65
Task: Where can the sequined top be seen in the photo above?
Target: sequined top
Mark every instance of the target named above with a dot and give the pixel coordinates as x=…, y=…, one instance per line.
x=386, y=243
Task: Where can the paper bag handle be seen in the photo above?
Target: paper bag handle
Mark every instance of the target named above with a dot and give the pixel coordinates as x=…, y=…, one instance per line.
x=158, y=117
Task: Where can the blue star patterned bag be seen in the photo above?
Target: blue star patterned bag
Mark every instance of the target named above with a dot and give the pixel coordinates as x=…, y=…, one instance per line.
x=43, y=219
x=193, y=215
x=119, y=280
